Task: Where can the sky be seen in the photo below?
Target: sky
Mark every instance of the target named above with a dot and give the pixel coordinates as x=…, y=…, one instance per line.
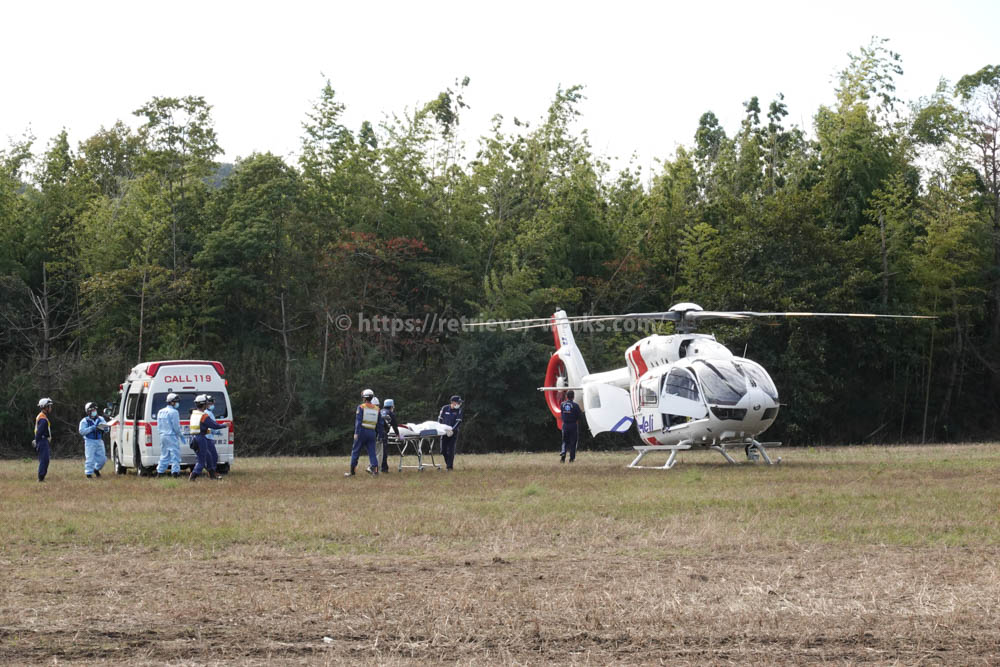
x=650, y=69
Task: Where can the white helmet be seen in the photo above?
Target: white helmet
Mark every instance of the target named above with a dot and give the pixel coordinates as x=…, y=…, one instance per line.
x=367, y=393
x=44, y=402
x=172, y=398
x=375, y=401
x=200, y=399
x=90, y=406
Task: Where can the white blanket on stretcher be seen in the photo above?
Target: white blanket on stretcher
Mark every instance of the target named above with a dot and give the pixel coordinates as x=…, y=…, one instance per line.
x=424, y=429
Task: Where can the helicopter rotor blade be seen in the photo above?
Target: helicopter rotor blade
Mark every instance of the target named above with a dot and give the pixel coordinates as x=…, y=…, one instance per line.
x=545, y=322
x=707, y=315
x=532, y=321
x=677, y=316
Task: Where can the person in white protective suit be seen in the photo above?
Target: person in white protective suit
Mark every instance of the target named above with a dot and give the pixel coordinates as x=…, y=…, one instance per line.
x=91, y=427
x=168, y=423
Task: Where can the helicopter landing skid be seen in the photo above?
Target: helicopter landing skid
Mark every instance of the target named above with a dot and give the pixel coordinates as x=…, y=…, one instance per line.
x=646, y=449
x=755, y=451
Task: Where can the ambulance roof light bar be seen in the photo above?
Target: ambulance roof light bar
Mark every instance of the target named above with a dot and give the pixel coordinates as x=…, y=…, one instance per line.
x=153, y=367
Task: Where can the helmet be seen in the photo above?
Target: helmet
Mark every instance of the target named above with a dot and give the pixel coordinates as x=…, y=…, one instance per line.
x=456, y=399
x=90, y=406
x=367, y=393
x=389, y=403
x=375, y=401
x=172, y=398
x=44, y=402
x=200, y=399
x=210, y=398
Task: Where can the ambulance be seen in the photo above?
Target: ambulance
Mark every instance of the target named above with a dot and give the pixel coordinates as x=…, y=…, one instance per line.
x=135, y=440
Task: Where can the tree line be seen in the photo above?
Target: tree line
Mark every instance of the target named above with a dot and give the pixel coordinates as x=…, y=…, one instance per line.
x=138, y=245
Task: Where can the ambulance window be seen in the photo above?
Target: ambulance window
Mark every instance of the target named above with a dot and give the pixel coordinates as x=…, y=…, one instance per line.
x=118, y=406
x=185, y=403
x=680, y=383
x=131, y=404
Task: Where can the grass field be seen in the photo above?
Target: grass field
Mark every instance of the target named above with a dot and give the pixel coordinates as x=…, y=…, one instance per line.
x=865, y=554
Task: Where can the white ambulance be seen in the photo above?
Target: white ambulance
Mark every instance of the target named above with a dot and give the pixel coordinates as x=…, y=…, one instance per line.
x=135, y=440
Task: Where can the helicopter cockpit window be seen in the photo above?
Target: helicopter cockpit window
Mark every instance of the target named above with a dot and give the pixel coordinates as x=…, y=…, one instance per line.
x=760, y=376
x=647, y=394
x=680, y=383
x=722, y=381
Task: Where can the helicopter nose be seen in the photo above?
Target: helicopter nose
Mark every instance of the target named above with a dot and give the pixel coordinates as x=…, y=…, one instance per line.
x=757, y=408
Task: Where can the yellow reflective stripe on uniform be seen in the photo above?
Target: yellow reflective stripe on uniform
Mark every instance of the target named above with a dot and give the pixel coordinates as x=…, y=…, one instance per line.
x=369, y=416
x=195, y=425
x=48, y=424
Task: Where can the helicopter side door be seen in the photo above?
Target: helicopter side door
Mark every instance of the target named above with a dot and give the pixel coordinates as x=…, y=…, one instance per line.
x=680, y=400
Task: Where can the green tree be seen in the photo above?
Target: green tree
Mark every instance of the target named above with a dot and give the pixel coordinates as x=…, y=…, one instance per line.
x=179, y=147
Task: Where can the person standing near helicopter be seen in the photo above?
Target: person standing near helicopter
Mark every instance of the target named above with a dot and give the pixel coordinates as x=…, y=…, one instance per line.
x=570, y=414
x=451, y=414
x=43, y=435
x=366, y=424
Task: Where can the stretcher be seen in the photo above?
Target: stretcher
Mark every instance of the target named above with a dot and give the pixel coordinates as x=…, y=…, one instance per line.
x=420, y=440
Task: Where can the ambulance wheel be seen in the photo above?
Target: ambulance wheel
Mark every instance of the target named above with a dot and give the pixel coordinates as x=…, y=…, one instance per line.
x=116, y=459
x=222, y=468
x=140, y=471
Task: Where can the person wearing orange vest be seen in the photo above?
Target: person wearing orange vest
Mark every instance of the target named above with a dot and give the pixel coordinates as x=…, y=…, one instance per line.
x=367, y=422
x=200, y=424
x=43, y=436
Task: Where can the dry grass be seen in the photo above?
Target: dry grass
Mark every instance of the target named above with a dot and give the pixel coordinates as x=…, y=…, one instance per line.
x=838, y=555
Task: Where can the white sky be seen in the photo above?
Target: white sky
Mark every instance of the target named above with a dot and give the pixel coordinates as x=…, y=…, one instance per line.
x=650, y=68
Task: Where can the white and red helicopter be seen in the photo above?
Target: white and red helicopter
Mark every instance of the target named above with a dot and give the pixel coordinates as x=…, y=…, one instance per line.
x=682, y=390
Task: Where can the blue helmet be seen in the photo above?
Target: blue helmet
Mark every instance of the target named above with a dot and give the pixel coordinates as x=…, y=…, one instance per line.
x=389, y=403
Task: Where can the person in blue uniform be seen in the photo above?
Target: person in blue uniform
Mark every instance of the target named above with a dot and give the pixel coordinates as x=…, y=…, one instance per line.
x=43, y=436
x=91, y=428
x=366, y=425
x=451, y=414
x=201, y=442
x=168, y=423
x=388, y=421
x=570, y=413
x=213, y=453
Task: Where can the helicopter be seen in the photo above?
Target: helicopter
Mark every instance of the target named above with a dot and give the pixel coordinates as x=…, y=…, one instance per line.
x=681, y=391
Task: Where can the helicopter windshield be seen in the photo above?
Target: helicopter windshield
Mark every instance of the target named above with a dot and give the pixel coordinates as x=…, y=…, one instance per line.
x=722, y=381
x=759, y=375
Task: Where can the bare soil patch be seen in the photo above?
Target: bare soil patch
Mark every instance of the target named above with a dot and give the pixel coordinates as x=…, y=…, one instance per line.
x=513, y=586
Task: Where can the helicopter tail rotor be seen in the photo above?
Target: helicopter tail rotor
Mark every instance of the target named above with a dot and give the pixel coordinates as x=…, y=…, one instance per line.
x=566, y=367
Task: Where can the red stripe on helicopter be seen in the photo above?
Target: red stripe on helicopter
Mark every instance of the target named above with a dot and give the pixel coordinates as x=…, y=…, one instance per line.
x=552, y=397
x=652, y=441
x=640, y=364
x=555, y=332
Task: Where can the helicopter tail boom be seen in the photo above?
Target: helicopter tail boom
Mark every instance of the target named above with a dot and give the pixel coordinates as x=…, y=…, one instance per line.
x=603, y=397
